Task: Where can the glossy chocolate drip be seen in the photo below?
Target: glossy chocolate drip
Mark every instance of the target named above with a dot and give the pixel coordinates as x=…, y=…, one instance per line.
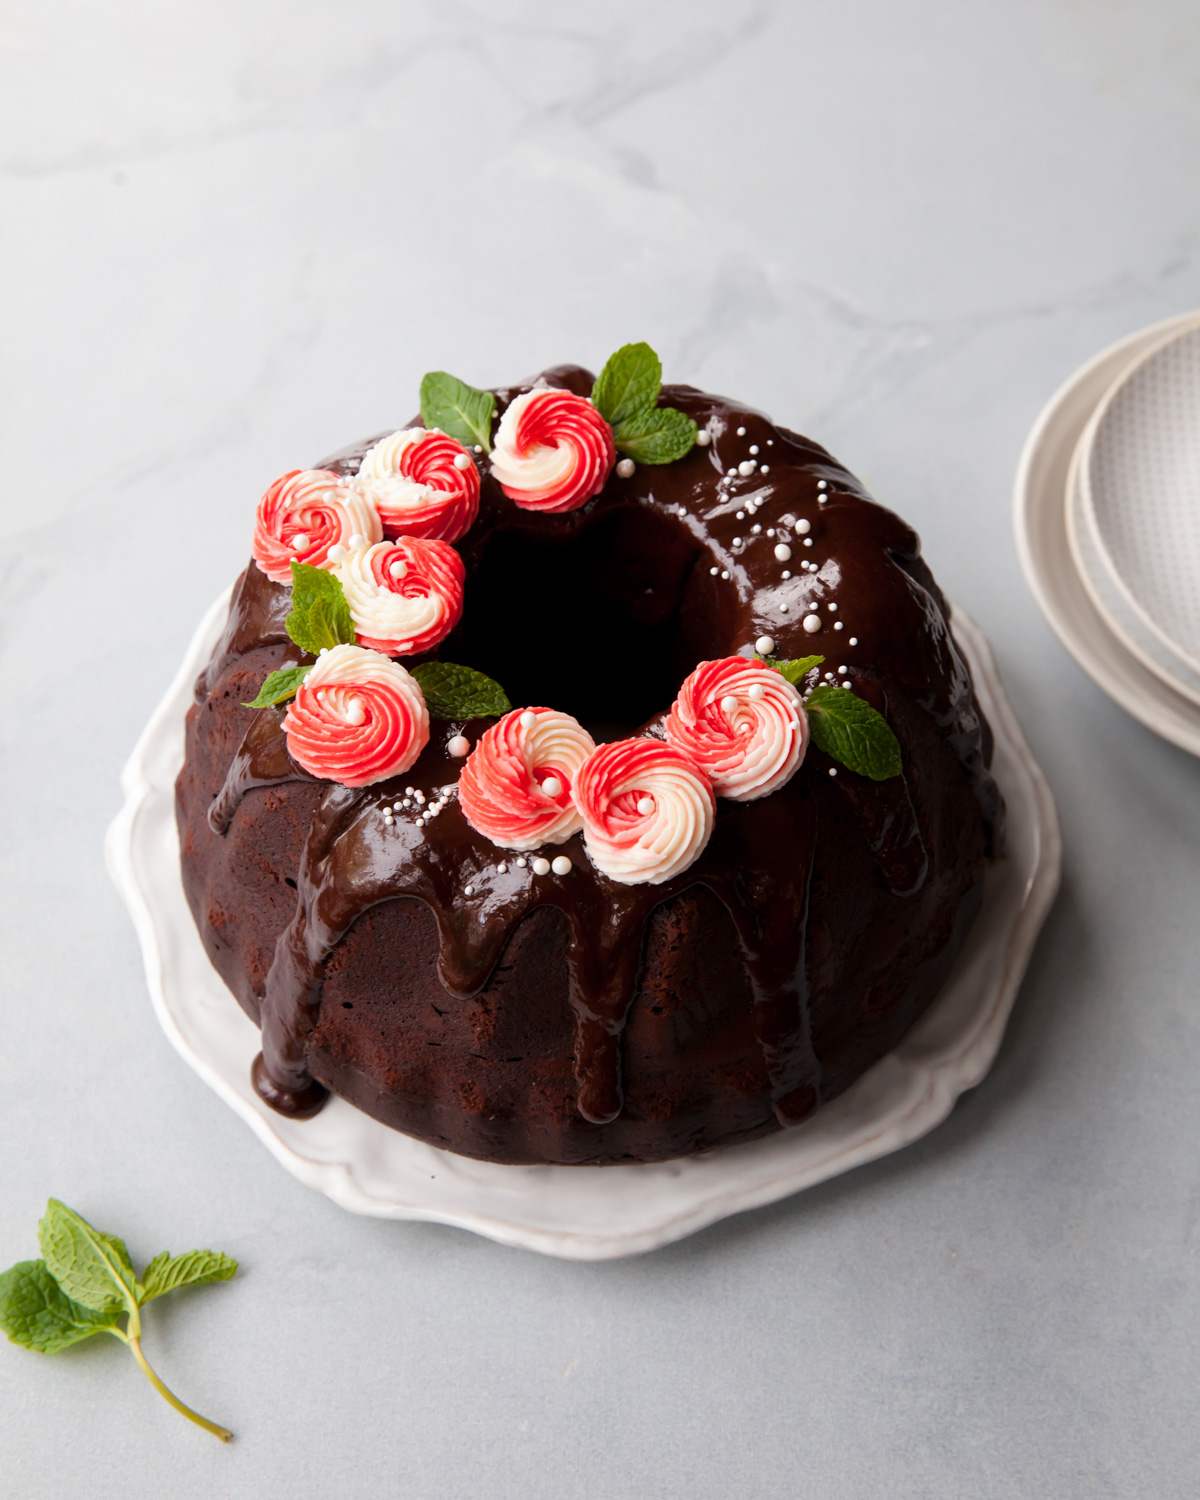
x=653, y=542
x=261, y=759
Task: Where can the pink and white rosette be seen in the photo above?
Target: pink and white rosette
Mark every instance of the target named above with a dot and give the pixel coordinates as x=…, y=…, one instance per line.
x=743, y=724
x=422, y=483
x=647, y=810
x=517, y=785
x=357, y=718
x=553, y=451
x=304, y=514
x=404, y=596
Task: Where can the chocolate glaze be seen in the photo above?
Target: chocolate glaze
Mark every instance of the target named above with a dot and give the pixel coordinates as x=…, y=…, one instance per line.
x=633, y=567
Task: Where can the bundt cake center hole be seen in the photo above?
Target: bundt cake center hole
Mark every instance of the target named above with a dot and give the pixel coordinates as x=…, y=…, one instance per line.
x=603, y=622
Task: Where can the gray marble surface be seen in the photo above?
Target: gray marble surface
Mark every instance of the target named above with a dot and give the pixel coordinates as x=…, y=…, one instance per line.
x=234, y=236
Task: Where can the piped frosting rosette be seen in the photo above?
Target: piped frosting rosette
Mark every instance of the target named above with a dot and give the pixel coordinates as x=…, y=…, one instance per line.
x=517, y=785
x=647, y=810
x=404, y=596
x=304, y=514
x=422, y=483
x=357, y=718
x=743, y=724
x=553, y=451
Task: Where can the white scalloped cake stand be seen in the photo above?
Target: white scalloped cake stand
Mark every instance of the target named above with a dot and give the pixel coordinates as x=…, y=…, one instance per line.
x=586, y=1213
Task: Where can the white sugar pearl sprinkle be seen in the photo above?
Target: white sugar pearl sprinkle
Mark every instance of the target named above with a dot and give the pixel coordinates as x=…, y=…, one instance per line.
x=854, y=640
x=714, y=571
x=753, y=448
x=358, y=541
x=459, y=746
x=845, y=684
x=833, y=609
x=502, y=869
x=755, y=690
x=728, y=704
x=737, y=541
x=837, y=625
x=747, y=467
x=741, y=432
x=625, y=468
x=741, y=515
x=803, y=527
x=541, y=866
x=420, y=822
x=766, y=469
x=462, y=460
x=646, y=806
x=812, y=623
x=787, y=573
x=833, y=770
x=336, y=553
x=782, y=551
x=468, y=890
x=842, y=671
x=756, y=528
x=724, y=572
x=730, y=473
x=356, y=713
x=522, y=862
x=703, y=439
x=764, y=645
x=528, y=718
x=808, y=541
x=300, y=541
x=561, y=865
x=398, y=568
x=821, y=484
x=552, y=786
x=783, y=609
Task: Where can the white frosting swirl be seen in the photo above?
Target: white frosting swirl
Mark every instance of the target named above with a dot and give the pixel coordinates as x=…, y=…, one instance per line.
x=647, y=810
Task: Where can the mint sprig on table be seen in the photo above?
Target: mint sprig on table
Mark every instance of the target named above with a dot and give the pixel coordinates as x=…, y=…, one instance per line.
x=626, y=396
x=85, y=1284
x=461, y=411
x=844, y=725
x=454, y=692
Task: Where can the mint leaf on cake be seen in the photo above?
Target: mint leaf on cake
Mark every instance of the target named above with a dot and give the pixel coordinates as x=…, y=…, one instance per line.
x=626, y=396
x=86, y=1284
x=320, y=617
x=794, y=670
x=279, y=687
x=459, y=410
x=454, y=692
x=628, y=384
x=848, y=728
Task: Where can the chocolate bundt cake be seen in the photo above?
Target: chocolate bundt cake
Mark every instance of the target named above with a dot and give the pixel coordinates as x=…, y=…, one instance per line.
x=689, y=904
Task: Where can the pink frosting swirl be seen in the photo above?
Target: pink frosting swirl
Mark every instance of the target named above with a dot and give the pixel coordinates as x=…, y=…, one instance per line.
x=356, y=718
x=404, y=596
x=647, y=810
x=303, y=515
x=553, y=451
x=516, y=787
x=743, y=724
x=422, y=483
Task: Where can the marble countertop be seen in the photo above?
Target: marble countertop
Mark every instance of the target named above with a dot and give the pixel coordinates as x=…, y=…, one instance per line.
x=234, y=236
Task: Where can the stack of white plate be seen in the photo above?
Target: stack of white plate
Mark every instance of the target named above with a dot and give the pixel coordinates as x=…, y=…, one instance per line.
x=1108, y=523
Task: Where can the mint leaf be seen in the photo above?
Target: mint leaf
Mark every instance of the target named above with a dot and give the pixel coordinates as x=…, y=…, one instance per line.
x=848, y=728
x=454, y=692
x=86, y=1284
x=458, y=409
x=91, y=1268
x=320, y=616
x=36, y=1313
x=796, y=669
x=628, y=384
x=279, y=687
x=658, y=435
x=196, y=1268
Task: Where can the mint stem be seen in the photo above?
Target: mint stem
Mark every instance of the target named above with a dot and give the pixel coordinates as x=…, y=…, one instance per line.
x=133, y=1340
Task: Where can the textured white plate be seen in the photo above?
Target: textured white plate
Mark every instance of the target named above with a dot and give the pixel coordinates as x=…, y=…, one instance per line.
x=586, y=1213
x=1110, y=601
x=1139, y=479
x=1040, y=518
